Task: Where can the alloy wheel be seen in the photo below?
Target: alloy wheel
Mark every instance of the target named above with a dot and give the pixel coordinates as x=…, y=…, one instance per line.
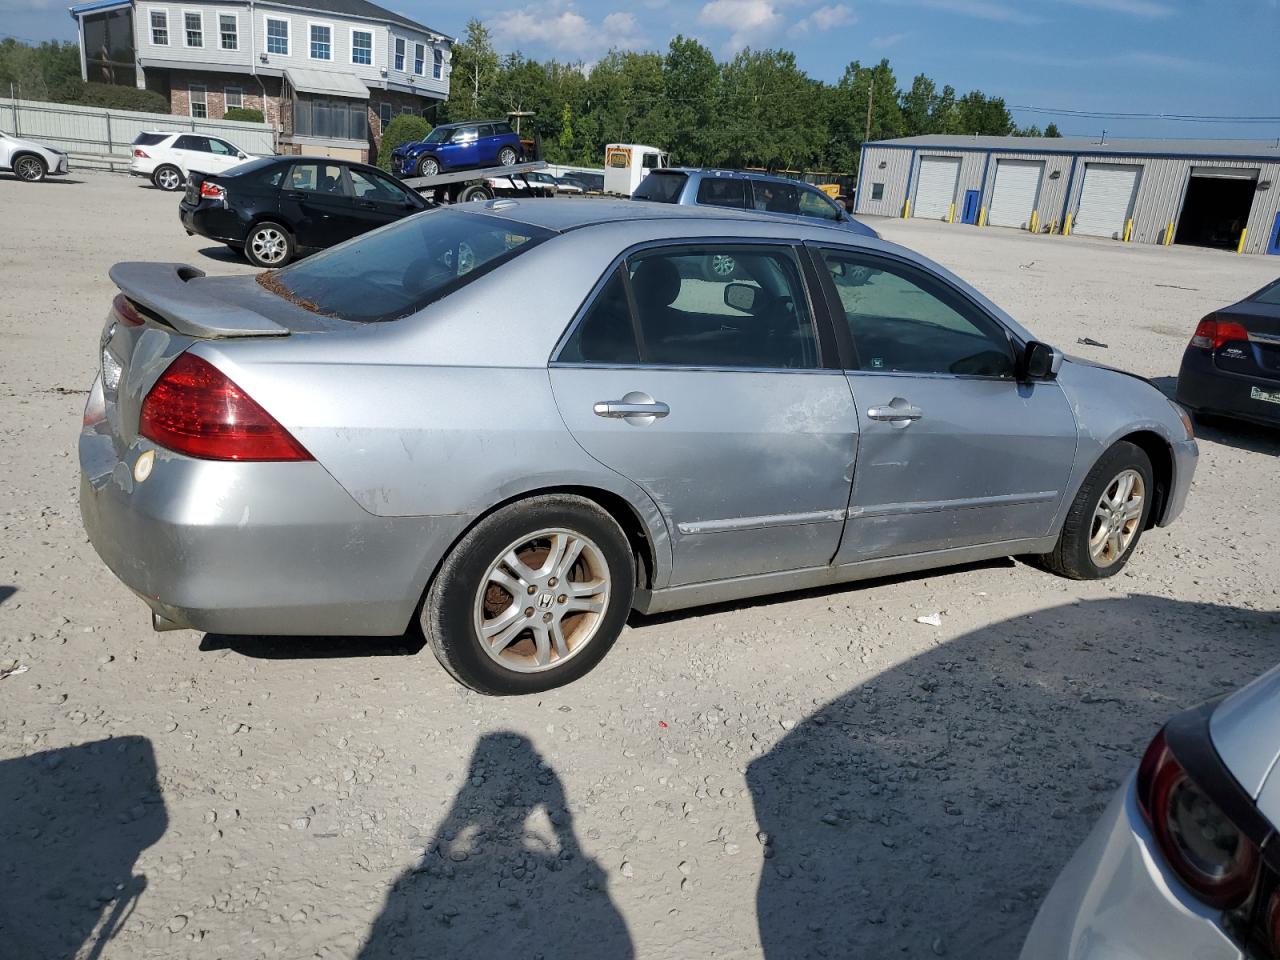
x=723, y=265
x=542, y=600
x=169, y=179
x=1116, y=518
x=269, y=245
x=29, y=169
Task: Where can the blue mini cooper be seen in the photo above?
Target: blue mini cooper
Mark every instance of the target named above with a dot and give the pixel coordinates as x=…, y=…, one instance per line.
x=459, y=146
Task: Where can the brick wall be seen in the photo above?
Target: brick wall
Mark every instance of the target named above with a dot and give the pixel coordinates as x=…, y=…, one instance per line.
x=215, y=93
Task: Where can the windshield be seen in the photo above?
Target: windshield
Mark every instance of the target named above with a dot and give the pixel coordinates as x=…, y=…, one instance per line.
x=398, y=270
x=439, y=135
x=660, y=187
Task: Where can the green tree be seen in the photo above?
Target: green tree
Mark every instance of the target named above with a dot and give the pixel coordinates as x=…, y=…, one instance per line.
x=917, y=104
x=406, y=128
x=691, y=89
x=473, y=74
x=565, y=140
x=1052, y=130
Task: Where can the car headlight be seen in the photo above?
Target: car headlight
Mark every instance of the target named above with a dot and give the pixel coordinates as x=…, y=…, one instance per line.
x=1185, y=418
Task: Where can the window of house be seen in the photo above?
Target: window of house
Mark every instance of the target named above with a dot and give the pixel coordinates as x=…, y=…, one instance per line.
x=419, y=52
x=384, y=115
x=331, y=119
x=321, y=42
x=399, y=53
x=229, y=31
x=278, y=37
x=877, y=191
x=437, y=65
x=234, y=97
x=903, y=319
x=361, y=47
x=404, y=110
x=199, y=99
x=160, y=28
x=194, y=24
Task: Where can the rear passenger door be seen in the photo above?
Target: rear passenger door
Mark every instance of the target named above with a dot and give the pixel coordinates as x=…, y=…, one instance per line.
x=192, y=154
x=721, y=399
x=316, y=205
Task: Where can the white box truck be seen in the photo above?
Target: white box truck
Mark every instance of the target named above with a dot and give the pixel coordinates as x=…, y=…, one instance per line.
x=626, y=164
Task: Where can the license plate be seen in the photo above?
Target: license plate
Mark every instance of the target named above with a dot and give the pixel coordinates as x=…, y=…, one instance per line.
x=1263, y=395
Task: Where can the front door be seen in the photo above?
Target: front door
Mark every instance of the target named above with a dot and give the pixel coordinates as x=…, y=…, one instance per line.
x=953, y=451
x=378, y=200
x=315, y=204
x=461, y=151
x=972, y=201
x=707, y=388
x=1273, y=247
x=223, y=154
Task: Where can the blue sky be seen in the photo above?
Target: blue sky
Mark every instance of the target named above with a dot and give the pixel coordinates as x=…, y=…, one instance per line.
x=1219, y=57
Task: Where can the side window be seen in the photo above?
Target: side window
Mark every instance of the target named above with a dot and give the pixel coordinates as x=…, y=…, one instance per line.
x=877, y=191
x=504, y=129
x=902, y=319
x=464, y=135
x=649, y=161
x=374, y=187
x=723, y=192
x=221, y=147
x=816, y=204
x=191, y=142
x=773, y=197
x=486, y=130
x=722, y=306
x=605, y=334
x=316, y=178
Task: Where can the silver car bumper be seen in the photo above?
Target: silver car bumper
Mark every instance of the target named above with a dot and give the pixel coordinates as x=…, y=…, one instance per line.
x=1116, y=901
x=257, y=548
x=1186, y=454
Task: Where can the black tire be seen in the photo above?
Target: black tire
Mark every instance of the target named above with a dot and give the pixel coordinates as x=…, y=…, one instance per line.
x=168, y=177
x=477, y=191
x=508, y=157
x=428, y=167
x=266, y=237
x=449, y=608
x=29, y=167
x=1071, y=557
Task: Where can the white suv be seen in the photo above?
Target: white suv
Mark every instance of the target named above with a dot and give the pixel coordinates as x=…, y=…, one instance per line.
x=167, y=158
x=30, y=161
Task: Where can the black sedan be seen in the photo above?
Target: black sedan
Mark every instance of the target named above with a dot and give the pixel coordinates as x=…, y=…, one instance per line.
x=1231, y=367
x=270, y=208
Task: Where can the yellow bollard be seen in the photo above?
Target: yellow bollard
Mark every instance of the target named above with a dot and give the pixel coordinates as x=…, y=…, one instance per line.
x=1243, y=233
x=982, y=216
x=951, y=214
x=1128, y=229
x=1066, y=227
x=1035, y=221
x=1168, y=234
x=906, y=209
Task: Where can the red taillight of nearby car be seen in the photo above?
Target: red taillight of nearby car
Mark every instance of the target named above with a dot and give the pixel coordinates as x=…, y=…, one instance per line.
x=195, y=409
x=141, y=154
x=1209, y=854
x=126, y=312
x=211, y=191
x=1213, y=333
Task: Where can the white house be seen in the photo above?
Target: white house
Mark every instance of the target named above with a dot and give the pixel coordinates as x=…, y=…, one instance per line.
x=330, y=74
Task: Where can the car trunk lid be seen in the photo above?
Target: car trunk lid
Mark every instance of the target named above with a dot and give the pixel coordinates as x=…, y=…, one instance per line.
x=1259, y=355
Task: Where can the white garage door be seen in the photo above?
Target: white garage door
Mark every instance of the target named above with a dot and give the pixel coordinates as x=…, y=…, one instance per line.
x=1106, y=199
x=1014, y=195
x=937, y=188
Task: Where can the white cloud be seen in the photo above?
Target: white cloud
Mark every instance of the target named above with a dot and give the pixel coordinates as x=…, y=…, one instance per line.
x=892, y=40
x=561, y=29
x=1136, y=8
x=825, y=18
x=980, y=10
x=748, y=21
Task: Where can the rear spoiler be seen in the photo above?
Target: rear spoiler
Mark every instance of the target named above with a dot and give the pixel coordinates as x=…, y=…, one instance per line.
x=166, y=290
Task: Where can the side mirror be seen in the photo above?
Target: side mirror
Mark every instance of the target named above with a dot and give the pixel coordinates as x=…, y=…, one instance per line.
x=740, y=296
x=242, y=156
x=1040, y=361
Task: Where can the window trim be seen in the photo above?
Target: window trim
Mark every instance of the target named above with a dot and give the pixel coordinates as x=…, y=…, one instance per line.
x=267, y=20
x=191, y=100
x=226, y=102
x=419, y=58
x=829, y=357
x=383, y=124
x=151, y=24
x=221, y=40
x=311, y=25
x=351, y=43
x=839, y=322
x=186, y=12
x=437, y=63
x=399, y=52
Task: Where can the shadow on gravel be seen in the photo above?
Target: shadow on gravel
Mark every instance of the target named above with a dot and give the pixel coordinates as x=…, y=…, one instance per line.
x=6, y=593
x=504, y=875
x=74, y=823
x=313, y=648
x=223, y=254
x=929, y=810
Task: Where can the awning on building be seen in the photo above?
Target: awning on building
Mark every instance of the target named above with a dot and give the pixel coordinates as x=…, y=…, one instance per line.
x=328, y=84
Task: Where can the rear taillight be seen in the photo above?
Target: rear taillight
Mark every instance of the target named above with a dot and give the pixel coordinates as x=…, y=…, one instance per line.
x=1209, y=854
x=211, y=191
x=1213, y=333
x=195, y=409
x=126, y=312
x=141, y=154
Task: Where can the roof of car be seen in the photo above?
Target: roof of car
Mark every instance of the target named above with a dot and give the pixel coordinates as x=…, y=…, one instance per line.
x=733, y=174
x=464, y=123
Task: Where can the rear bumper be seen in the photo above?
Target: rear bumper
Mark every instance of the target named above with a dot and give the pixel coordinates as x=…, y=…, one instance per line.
x=1115, y=901
x=1205, y=388
x=254, y=548
x=215, y=222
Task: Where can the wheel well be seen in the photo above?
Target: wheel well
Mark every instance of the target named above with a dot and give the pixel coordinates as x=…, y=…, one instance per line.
x=267, y=218
x=13, y=161
x=1161, y=456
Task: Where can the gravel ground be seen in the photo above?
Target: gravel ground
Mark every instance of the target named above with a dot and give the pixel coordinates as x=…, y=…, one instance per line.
x=816, y=775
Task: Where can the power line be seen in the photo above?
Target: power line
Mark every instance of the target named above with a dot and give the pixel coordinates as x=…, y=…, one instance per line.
x=1179, y=117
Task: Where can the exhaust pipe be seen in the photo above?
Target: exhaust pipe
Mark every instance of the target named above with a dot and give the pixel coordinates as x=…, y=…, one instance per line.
x=163, y=624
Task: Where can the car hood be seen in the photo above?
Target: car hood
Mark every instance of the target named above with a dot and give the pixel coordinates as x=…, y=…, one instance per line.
x=1245, y=729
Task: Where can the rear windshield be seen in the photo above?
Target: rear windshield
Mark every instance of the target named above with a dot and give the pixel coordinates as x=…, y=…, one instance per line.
x=1268, y=295
x=149, y=139
x=398, y=270
x=662, y=187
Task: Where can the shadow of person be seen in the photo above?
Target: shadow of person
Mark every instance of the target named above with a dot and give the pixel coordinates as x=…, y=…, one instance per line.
x=925, y=811
x=504, y=875
x=73, y=824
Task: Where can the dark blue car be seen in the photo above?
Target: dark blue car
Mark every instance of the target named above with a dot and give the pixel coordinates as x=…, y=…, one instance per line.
x=458, y=146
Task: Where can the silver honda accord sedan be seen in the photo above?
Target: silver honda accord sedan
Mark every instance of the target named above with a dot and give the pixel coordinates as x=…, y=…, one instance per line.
x=516, y=421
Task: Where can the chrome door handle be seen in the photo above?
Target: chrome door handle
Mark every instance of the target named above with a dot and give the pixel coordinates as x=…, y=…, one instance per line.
x=896, y=410
x=625, y=408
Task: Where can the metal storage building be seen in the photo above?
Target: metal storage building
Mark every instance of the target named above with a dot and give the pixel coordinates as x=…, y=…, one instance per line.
x=1212, y=193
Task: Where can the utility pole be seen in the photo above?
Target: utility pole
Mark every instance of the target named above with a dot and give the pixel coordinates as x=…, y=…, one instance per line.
x=871, y=89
